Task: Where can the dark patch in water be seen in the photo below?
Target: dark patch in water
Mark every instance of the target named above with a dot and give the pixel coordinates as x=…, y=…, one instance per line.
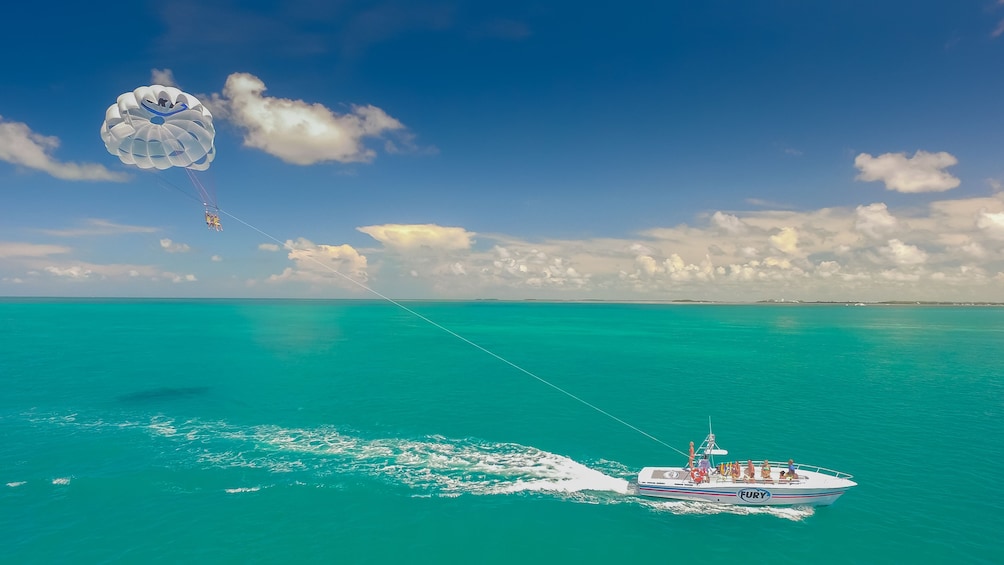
x=164, y=393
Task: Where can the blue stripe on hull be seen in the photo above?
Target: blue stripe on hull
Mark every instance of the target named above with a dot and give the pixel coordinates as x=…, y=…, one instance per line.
x=669, y=492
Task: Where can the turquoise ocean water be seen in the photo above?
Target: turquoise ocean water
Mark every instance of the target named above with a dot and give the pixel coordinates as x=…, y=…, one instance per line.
x=149, y=431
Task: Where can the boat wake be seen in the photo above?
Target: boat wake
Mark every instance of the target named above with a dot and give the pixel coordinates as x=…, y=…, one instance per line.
x=681, y=507
x=431, y=466
x=270, y=456
x=327, y=457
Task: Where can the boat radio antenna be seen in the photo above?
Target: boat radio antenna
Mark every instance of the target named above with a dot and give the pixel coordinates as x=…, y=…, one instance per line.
x=456, y=335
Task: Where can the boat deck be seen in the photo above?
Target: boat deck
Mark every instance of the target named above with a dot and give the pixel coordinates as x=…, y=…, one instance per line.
x=807, y=475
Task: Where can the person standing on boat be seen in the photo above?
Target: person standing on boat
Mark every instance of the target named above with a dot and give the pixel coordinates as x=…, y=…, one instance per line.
x=704, y=465
x=690, y=462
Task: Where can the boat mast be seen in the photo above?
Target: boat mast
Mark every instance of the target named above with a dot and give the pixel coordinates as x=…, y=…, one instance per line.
x=711, y=435
x=710, y=446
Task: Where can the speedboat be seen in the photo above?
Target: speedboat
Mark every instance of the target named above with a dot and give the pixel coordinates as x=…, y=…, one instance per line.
x=750, y=483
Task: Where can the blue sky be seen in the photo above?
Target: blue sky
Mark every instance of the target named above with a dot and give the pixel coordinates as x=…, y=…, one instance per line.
x=668, y=150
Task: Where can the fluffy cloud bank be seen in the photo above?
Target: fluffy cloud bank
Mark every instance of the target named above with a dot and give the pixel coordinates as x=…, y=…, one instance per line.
x=83, y=271
x=299, y=132
x=20, y=146
x=950, y=250
x=43, y=268
x=953, y=250
x=924, y=172
x=36, y=267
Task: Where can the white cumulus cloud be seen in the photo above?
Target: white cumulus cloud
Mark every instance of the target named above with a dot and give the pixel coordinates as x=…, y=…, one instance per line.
x=534, y=268
x=23, y=147
x=323, y=263
x=992, y=223
x=903, y=253
x=974, y=249
x=874, y=220
x=672, y=268
x=173, y=246
x=299, y=132
x=268, y=247
x=924, y=172
x=728, y=223
x=163, y=77
x=72, y=272
x=409, y=237
x=785, y=241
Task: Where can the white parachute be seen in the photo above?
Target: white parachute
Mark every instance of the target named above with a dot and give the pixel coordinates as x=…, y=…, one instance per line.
x=160, y=127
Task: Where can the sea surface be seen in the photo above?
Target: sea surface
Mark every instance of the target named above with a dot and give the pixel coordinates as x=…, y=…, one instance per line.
x=232, y=431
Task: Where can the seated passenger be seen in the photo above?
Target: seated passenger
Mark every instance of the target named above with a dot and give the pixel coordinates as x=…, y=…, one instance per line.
x=736, y=472
x=750, y=471
x=765, y=470
x=791, y=470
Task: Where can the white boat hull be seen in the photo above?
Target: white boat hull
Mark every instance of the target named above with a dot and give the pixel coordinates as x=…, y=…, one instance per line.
x=810, y=489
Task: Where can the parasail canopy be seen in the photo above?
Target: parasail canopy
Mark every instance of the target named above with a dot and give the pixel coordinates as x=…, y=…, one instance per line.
x=159, y=127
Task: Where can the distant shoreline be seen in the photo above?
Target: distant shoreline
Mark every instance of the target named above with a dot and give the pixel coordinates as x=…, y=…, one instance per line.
x=678, y=302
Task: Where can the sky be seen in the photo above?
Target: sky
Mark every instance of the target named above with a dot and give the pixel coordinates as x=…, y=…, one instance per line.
x=716, y=150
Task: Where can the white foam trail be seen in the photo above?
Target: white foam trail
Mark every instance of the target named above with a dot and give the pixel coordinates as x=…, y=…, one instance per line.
x=61, y=481
x=163, y=426
x=436, y=465
x=242, y=489
x=15, y=484
x=561, y=474
x=679, y=507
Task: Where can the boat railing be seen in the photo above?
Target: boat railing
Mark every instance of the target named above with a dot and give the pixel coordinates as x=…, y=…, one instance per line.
x=813, y=469
x=776, y=465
